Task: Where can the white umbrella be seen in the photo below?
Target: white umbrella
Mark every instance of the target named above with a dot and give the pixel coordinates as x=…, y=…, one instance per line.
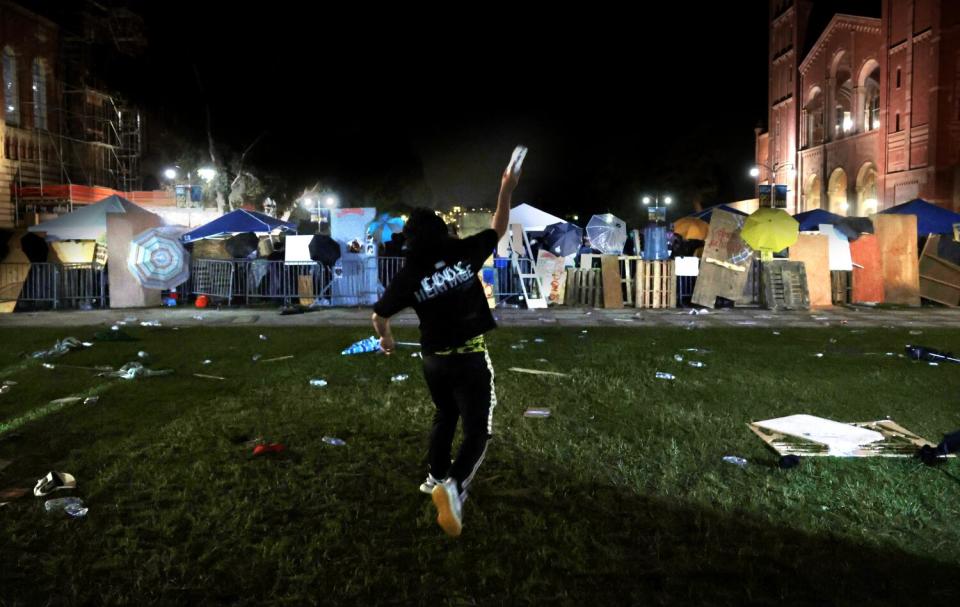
x=157, y=259
x=607, y=234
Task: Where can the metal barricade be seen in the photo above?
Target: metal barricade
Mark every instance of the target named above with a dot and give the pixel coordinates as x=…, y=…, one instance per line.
x=82, y=285
x=509, y=292
x=261, y=279
x=31, y=285
x=39, y=286
x=213, y=278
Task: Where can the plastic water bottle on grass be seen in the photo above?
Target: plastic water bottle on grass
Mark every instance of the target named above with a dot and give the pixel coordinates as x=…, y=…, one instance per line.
x=736, y=461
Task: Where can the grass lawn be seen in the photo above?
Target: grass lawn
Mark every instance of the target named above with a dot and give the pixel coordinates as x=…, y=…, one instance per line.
x=621, y=496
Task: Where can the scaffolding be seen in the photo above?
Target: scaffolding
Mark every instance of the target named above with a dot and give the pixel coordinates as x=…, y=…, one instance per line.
x=98, y=136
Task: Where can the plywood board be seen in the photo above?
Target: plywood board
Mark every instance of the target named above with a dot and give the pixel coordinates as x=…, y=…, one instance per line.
x=125, y=291
x=897, y=442
x=14, y=275
x=305, y=290
x=612, y=285
x=897, y=236
x=939, y=278
x=867, y=271
x=814, y=251
x=726, y=259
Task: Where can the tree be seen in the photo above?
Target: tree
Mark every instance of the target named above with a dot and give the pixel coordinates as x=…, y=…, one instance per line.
x=229, y=167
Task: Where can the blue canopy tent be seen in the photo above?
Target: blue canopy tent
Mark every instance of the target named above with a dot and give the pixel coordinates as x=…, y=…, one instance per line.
x=706, y=214
x=810, y=220
x=240, y=220
x=931, y=219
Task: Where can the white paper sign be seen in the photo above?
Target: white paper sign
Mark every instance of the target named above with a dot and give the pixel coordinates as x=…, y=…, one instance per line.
x=296, y=250
x=687, y=266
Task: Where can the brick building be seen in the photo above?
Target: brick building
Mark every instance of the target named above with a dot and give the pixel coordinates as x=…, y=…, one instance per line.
x=59, y=129
x=864, y=110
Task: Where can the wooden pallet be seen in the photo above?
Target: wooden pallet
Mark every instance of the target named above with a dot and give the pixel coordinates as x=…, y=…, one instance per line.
x=656, y=284
x=785, y=285
x=584, y=288
x=840, y=281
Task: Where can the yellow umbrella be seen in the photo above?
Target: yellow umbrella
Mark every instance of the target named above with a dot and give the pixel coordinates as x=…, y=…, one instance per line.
x=691, y=228
x=770, y=230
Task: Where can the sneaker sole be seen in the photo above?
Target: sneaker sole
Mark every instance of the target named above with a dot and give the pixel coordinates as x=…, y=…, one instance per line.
x=445, y=518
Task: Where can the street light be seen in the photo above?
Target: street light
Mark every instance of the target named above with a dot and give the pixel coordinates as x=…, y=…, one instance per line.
x=772, y=170
x=170, y=174
x=656, y=200
x=657, y=214
x=207, y=174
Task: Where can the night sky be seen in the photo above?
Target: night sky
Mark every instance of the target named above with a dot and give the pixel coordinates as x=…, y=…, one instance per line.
x=425, y=105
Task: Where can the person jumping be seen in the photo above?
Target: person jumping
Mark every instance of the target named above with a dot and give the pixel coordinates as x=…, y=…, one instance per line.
x=439, y=280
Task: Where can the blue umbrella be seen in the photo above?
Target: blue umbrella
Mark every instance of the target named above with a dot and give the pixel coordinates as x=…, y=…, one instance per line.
x=562, y=239
x=384, y=227
x=931, y=219
x=707, y=213
x=811, y=220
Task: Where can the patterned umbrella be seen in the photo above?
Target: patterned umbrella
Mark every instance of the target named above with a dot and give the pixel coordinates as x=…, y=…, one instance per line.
x=384, y=227
x=157, y=259
x=607, y=234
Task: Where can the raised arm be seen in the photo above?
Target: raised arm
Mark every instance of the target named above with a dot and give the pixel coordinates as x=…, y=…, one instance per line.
x=501, y=217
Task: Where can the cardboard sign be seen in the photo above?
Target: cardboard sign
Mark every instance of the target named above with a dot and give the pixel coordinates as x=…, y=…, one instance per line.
x=553, y=276
x=687, y=266
x=726, y=259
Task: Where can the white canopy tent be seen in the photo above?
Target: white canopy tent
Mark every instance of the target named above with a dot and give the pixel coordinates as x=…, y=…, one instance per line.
x=89, y=222
x=531, y=218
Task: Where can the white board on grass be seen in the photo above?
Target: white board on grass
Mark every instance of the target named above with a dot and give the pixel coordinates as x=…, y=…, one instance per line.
x=841, y=439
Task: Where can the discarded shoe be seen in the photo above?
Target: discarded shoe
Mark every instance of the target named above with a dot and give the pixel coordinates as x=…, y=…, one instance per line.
x=54, y=481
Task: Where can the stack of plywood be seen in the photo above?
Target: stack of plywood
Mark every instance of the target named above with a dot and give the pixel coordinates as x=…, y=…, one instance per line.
x=939, y=278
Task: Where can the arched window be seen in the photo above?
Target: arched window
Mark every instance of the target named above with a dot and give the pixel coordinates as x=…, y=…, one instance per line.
x=11, y=92
x=843, y=101
x=867, y=202
x=870, y=95
x=39, y=87
x=837, y=192
x=812, y=193
x=814, y=118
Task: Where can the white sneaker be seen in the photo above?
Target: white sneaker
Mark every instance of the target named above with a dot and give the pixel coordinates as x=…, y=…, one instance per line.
x=428, y=485
x=449, y=507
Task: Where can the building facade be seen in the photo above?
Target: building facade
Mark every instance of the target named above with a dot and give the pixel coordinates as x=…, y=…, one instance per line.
x=864, y=110
x=57, y=130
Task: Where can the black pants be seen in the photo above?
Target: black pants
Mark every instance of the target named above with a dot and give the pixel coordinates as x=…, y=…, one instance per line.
x=462, y=388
